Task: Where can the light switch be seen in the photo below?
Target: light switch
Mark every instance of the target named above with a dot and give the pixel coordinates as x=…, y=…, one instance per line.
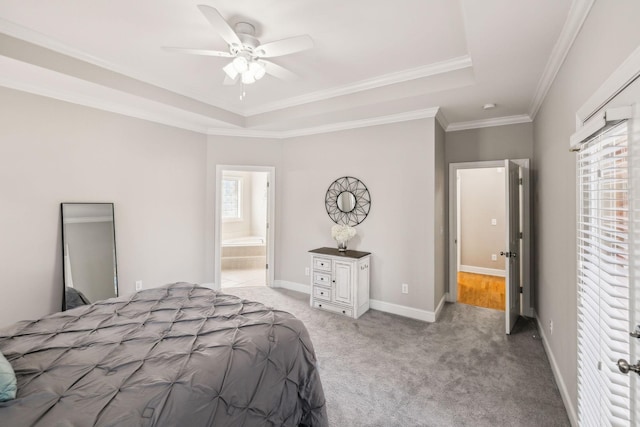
x=494, y=221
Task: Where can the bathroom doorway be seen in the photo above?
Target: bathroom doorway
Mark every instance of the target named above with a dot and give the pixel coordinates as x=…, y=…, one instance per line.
x=243, y=233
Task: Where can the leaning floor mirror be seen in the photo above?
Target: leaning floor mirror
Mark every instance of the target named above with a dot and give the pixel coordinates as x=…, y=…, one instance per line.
x=89, y=253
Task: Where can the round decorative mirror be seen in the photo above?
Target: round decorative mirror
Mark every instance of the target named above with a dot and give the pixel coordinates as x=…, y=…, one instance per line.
x=348, y=201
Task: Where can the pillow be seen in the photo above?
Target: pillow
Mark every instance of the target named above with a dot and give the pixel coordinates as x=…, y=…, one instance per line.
x=8, y=383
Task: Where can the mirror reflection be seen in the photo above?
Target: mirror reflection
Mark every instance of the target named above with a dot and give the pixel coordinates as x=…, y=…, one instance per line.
x=89, y=248
x=346, y=201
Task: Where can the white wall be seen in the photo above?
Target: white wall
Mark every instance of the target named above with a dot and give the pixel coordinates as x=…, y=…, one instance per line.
x=52, y=152
x=610, y=33
x=397, y=164
x=259, y=204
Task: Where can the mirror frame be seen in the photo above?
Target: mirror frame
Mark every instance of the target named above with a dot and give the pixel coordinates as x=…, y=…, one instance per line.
x=115, y=257
x=361, y=195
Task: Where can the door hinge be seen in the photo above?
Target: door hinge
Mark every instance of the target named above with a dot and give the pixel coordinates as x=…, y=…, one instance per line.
x=520, y=234
x=521, y=290
x=520, y=181
x=268, y=184
x=266, y=266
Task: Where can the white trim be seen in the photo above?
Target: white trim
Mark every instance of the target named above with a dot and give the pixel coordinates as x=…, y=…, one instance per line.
x=217, y=237
x=39, y=39
x=577, y=15
x=331, y=127
x=487, y=123
x=387, y=307
x=293, y=286
x=564, y=393
x=482, y=270
x=440, y=117
x=367, y=84
x=628, y=71
x=410, y=312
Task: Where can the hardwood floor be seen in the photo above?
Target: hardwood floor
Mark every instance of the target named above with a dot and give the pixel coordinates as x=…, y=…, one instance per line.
x=481, y=290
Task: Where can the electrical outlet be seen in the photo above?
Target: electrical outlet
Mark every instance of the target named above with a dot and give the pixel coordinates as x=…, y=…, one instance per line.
x=306, y=271
x=494, y=221
x=138, y=285
x=551, y=327
x=405, y=288
x=494, y=257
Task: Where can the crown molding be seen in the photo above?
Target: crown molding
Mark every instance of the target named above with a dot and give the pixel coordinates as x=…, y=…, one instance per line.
x=332, y=127
x=101, y=104
x=367, y=84
x=444, y=123
x=37, y=38
x=577, y=15
x=487, y=123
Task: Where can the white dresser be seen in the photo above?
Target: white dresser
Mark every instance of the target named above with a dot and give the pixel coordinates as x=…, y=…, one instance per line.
x=340, y=281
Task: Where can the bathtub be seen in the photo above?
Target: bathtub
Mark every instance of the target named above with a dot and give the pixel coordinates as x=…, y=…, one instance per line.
x=244, y=241
x=243, y=253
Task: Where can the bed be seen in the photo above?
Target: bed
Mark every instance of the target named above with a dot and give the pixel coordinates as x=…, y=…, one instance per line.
x=180, y=355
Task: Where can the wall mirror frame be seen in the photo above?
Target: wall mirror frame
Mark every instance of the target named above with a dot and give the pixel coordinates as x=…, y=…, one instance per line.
x=348, y=201
x=89, y=259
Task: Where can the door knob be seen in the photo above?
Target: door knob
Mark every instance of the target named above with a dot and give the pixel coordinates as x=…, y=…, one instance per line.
x=636, y=333
x=624, y=367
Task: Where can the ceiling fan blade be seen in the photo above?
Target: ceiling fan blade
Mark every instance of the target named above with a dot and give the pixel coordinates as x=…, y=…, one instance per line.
x=222, y=27
x=204, y=52
x=278, y=71
x=284, y=47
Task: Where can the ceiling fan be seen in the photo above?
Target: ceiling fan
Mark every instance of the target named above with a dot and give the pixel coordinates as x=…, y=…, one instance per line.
x=248, y=64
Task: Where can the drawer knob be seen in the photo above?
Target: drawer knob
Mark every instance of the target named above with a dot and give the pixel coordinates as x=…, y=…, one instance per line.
x=319, y=305
x=344, y=312
x=321, y=293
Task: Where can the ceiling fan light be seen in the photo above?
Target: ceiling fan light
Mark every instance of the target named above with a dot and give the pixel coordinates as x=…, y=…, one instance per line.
x=230, y=70
x=241, y=64
x=258, y=70
x=247, y=78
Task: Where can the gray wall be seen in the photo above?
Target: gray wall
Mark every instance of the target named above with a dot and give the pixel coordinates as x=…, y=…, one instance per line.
x=482, y=198
x=397, y=162
x=609, y=35
x=494, y=143
x=52, y=152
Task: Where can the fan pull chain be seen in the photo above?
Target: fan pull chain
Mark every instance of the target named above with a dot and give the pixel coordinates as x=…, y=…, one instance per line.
x=243, y=93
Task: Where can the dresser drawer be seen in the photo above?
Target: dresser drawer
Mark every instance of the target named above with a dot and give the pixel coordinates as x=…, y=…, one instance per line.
x=323, y=264
x=321, y=278
x=322, y=293
x=333, y=308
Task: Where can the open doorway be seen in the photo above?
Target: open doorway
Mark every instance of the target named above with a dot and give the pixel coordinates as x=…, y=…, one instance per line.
x=489, y=230
x=481, y=235
x=244, y=238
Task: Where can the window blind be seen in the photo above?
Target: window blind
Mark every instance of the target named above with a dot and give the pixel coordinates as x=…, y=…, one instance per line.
x=603, y=277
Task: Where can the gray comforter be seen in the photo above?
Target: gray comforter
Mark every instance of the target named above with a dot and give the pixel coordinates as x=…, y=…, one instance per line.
x=180, y=355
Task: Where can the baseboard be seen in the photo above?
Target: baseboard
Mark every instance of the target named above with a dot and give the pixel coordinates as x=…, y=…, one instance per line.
x=568, y=404
x=387, y=307
x=411, y=312
x=293, y=286
x=482, y=270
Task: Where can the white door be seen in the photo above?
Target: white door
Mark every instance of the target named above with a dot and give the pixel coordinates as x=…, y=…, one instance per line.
x=342, y=282
x=512, y=264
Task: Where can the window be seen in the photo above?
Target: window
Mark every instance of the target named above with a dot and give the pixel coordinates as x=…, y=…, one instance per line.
x=603, y=278
x=231, y=198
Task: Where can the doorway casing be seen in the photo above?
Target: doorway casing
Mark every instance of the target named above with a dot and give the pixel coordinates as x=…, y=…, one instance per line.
x=527, y=289
x=271, y=189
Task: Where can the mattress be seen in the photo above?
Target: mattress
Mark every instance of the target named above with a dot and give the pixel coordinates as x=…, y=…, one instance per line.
x=180, y=355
